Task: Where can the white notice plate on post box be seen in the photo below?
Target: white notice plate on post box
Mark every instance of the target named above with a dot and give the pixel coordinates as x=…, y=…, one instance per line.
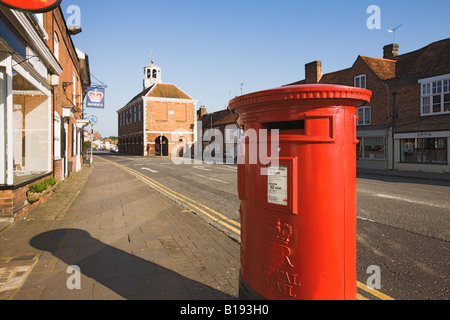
x=277, y=177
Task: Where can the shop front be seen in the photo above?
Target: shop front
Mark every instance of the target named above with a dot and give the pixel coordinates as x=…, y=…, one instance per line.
x=25, y=111
x=373, y=150
x=423, y=151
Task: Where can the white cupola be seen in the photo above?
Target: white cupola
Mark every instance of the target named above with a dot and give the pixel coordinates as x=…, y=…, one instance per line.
x=152, y=75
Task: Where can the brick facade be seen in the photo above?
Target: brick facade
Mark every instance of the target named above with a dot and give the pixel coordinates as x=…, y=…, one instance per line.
x=13, y=202
x=169, y=119
x=158, y=121
x=398, y=133
x=68, y=94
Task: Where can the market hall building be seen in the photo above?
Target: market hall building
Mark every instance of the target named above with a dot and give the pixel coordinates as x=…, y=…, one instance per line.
x=159, y=121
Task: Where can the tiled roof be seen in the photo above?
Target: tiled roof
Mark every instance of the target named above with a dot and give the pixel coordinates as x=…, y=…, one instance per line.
x=383, y=68
x=218, y=118
x=140, y=95
x=336, y=77
x=163, y=90
x=435, y=56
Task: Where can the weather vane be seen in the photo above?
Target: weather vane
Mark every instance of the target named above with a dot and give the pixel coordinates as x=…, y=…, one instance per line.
x=151, y=52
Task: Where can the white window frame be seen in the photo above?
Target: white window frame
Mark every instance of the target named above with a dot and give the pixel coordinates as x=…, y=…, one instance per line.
x=56, y=45
x=74, y=140
x=359, y=78
x=57, y=136
x=362, y=121
x=3, y=101
x=431, y=87
x=74, y=89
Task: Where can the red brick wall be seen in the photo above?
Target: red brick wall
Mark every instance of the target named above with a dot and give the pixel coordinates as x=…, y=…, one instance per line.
x=407, y=104
x=58, y=170
x=158, y=119
x=131, y=134
x=63, y=94
x=6, y=203
x=13, y=203
x=380, y=103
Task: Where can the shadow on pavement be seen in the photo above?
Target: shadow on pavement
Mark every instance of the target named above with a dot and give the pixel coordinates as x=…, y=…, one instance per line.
x=128, y=275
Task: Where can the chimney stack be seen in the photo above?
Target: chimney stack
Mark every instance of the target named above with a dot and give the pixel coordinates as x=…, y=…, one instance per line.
x=201, y=112
x=313, y=72
x=390, y=51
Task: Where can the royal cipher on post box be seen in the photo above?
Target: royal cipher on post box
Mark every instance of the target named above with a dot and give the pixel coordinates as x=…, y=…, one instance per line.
x=298, y=204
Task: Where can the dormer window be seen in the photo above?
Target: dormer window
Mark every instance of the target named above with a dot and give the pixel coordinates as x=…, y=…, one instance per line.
x=360, y=81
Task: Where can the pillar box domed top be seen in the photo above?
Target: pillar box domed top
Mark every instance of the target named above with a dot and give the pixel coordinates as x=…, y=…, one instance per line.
x=307, y=95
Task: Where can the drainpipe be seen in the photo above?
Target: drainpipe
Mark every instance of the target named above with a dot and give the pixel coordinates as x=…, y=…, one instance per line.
x=394, y=116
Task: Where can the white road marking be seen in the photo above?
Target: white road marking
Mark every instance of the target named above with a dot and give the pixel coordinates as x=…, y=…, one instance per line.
x=154, y=171
x=223, y=167
x=167, y=165
x=201, y=168
x=365, y=219
x=199, y=175
x=412, y=201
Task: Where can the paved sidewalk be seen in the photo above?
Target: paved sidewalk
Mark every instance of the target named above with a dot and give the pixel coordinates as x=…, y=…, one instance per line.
x=128, y=241
x=427, y=176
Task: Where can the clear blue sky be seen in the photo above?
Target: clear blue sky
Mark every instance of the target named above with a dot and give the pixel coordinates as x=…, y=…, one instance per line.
x=208, y=48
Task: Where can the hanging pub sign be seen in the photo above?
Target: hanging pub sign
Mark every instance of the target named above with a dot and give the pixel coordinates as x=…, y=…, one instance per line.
x=95, y=98
x=36, y=6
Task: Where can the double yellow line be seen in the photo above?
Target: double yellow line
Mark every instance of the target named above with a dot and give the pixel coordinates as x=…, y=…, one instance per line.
x=373, y=292
x=219, y=218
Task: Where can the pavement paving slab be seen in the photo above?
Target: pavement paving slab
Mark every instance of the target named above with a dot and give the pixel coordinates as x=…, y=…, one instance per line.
x=105, y=235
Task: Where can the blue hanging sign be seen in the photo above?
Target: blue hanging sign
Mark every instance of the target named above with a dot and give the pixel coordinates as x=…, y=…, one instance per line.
x=95, y=98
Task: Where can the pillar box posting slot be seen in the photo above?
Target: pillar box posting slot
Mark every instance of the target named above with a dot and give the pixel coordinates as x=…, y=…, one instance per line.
x=298, y=205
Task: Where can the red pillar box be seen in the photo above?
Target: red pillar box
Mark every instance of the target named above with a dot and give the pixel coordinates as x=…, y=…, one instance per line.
x=298, y=204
